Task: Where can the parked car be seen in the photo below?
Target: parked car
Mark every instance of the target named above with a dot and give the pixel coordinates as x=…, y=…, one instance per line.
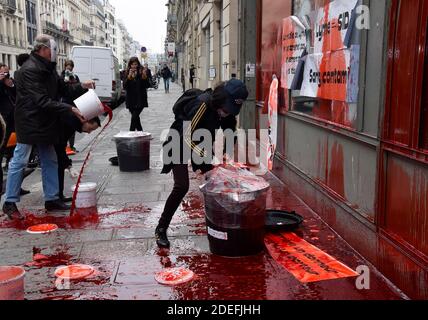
x=99, y=64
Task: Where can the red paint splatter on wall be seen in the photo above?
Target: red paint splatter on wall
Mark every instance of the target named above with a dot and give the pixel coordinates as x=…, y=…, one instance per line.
x=336, y=178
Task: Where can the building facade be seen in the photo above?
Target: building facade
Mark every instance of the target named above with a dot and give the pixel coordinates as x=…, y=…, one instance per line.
x=70, y=22
x=206, y=36
x=110, y=27
x=53, y=21
x=124, y=41
x=353, y=124
x=98, y=24
x=85, y=31
x=13, y=32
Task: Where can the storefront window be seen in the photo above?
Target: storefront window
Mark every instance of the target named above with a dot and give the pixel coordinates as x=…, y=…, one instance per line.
x=273, y=11
x=325, y=83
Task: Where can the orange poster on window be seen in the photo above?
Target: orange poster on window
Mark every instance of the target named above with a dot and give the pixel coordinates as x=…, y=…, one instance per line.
x=293, y=46
x=304, y=261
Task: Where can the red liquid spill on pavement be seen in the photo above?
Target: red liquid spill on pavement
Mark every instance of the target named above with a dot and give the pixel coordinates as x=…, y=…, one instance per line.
x=60, y=258
x=90, y=218
x=76, y=190
x=193, y=206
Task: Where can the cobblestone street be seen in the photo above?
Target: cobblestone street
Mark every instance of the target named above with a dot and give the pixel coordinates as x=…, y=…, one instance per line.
x=120, y=243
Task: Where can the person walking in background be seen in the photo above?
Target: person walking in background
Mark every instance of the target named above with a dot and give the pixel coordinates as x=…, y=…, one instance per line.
x=166, y=75
x=183, y=80
x=70, y=79
x=192, y=75
x=37, y=115
x=20, y=60
x=148, y=72
x=136, y=85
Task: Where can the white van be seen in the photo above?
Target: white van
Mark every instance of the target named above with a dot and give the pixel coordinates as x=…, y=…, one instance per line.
x=99, y=64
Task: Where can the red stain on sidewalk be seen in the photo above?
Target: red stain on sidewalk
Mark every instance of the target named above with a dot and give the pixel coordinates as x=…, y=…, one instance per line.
x=92, y=218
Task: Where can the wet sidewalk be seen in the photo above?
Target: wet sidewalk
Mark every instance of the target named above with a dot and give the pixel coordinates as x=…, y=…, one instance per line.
x=120, y=242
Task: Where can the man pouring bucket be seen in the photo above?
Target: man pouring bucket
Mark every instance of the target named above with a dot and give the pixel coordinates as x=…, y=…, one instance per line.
x=38, y=110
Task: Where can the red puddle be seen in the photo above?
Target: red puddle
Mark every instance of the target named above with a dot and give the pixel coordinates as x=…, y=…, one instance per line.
x=81, y=219
x=194, y=206
x=60, y=258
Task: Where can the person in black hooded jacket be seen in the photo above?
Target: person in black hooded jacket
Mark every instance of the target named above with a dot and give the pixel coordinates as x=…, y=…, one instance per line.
x=210, y=110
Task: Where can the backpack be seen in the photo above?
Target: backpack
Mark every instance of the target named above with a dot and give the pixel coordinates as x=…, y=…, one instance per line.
x=188, y=97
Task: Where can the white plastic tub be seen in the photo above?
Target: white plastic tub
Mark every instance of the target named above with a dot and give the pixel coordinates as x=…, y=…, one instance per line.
x=86, y=196
x=90, y=105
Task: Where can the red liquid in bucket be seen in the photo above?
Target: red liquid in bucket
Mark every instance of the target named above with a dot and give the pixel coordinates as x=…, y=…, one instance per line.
x=12, y=283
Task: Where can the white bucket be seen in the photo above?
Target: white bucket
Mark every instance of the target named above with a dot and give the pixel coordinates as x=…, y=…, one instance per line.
x=90, y=105
x=12, y=283
x=86, y=195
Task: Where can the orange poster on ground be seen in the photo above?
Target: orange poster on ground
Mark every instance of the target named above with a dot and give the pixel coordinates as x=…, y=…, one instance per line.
x=304, y=261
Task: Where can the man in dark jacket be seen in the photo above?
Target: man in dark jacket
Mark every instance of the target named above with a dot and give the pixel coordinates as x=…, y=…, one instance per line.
x=38, y=109
x=7, y=109
x=211, y=111
x=166, y=75
x=192, y=75
x=7, y=99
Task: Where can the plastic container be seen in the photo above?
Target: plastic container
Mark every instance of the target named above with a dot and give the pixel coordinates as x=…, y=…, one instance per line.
x=235, y=205
x=86, y=196
x=90, y=105
x=12, y=283
x=133, y=151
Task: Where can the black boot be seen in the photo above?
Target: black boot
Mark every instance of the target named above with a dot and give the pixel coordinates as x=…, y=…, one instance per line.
x=65, y=199
x=11, y=210
x=162, y=238
x=25, y=192
x=56, y=205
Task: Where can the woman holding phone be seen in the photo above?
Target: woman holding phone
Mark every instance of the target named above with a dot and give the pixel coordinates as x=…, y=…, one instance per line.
x=136, y=84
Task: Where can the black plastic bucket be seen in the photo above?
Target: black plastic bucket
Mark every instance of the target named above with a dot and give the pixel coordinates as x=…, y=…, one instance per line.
x=236, y=227
x=133, y=152
x=227, y=242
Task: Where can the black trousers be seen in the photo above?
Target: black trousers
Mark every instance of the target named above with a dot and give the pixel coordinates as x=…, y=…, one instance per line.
x=181, y=187
x=72, y=140
x=135, y=120
x=64, y=162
